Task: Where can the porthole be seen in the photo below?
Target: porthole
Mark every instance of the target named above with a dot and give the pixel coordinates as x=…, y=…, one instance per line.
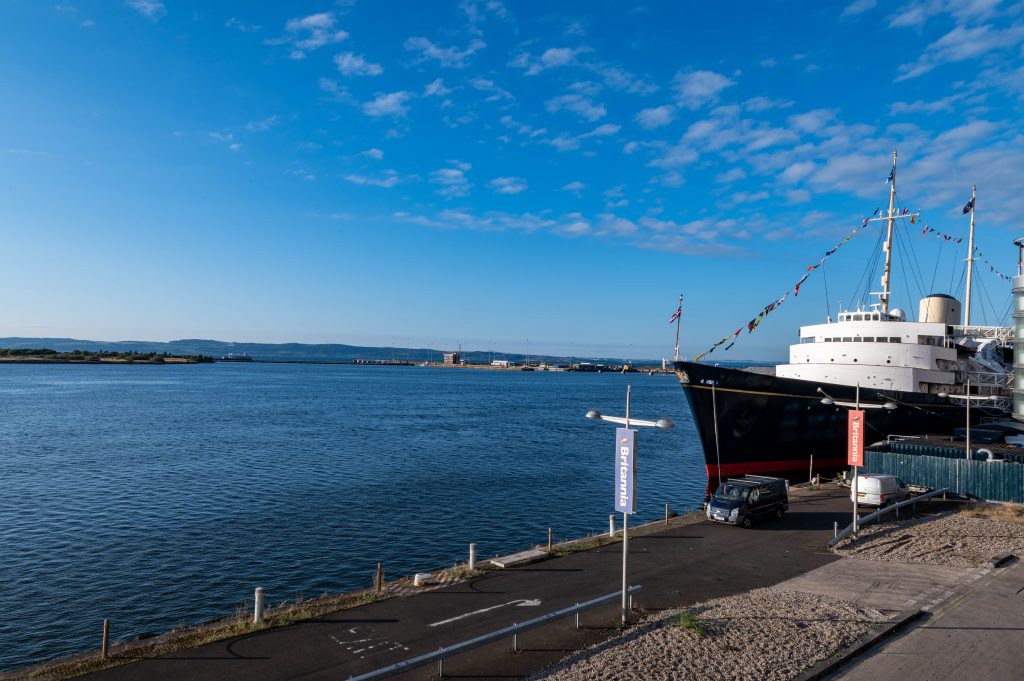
x=888, y=361
x=854, y=360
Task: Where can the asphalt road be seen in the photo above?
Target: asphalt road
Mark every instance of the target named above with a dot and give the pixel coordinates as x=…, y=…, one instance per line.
x=676, y=566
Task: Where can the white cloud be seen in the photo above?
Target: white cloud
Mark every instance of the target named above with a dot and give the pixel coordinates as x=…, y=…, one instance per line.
x=921, y=106
x=656, y=117
x=151, y=9
x=452, y=181
x=495, y=93
x=676, y=156
x=576, y=188
x=858, y=7
x=916, y=14
x=812, y=121
x=387, y=180
x=450, y=57
x=961, y=44
x=553, y=57
x=508, y=185
x=374, y=153
x=731, y=175
x=694, y=89
x=356, y=65
x=262, y=125
x=578, y=104
x=388, y=104
x=436, y=89
x=613, y=225
x=603, y=130
x=765, y=104
x=623, y=81
x=769, y=62
x=797, y=171
x=239, y=25
x=309, y=33
x=563, y=142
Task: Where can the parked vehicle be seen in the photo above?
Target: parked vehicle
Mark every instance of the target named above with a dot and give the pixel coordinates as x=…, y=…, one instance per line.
x=880, y=490
x=741, y=501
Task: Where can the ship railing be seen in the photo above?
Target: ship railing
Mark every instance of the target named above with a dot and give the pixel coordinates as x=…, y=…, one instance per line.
x=440, y=654
x=894, y=508
x=1003, y=334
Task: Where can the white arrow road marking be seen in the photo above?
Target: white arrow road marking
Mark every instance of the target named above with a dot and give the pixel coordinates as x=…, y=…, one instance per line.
x=522, y=602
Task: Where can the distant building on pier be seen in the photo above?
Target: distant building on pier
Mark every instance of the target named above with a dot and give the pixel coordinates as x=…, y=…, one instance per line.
x=451, y=358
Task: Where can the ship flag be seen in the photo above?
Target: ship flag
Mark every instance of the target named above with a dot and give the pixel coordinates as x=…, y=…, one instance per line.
x=675, y=315
x=969, y=207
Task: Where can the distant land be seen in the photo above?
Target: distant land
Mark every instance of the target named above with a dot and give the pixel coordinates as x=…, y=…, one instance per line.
x=326, y=352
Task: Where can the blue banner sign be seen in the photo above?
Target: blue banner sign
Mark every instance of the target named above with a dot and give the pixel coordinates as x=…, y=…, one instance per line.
x=625, y=470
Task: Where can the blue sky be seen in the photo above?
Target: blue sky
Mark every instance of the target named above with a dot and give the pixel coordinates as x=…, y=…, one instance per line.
x=494, y=173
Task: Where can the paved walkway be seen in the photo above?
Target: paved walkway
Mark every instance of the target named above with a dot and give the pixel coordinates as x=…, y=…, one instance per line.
x=977, y=634
x=681, y=564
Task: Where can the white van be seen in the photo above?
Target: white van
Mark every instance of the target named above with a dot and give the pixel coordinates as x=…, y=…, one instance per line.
x=880, y=490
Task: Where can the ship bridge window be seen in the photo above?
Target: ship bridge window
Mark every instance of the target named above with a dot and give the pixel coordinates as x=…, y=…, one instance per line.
x=869, y=339
x=881, y=339
x=895, y=340
x=807, y=339
x=858, y=317
x=847, y=339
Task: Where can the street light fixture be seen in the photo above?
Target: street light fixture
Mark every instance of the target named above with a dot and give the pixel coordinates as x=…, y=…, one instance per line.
x=625, y=470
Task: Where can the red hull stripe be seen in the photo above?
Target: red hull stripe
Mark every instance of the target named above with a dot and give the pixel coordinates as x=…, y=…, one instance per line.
x=770, y=466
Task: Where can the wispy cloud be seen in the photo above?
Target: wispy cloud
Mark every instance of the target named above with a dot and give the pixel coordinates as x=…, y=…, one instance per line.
x=494, y=92
x=239, y=25
x=551, y=58
x=388, y=104
x=310, y=33
x=656, y=117
x=450, y=57
x=858, y=7
x=262, y=125
x=576, y=188
x=374, y=153
x=508, y=185
x=151, y=9
x=386, y=180
x=961, y=44
x=694, y=89
x=226, y=138
x=581, y=105
x=436, y=89
x=350, y=64
x=452, y=181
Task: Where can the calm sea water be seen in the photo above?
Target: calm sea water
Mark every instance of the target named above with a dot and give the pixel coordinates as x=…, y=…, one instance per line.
x=159, y=495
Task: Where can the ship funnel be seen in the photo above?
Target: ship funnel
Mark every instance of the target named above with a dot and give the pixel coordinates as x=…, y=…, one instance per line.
x=1018, y=334
x=938, y=308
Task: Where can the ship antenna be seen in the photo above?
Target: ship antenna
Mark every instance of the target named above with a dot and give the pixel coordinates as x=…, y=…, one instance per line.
x=679, y=316
x=888, y=238
x=970, y=260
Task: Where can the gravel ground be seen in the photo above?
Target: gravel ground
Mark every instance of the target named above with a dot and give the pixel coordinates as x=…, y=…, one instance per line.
x=763, y=634
x=955, y=539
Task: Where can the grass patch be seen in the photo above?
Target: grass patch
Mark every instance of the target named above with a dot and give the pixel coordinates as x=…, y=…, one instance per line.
x=688, y=620
x=580, y=545
x=1006, y=512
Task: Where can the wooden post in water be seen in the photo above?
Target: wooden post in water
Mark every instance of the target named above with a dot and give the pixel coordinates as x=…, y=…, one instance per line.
x=106, y=637
x=549, y=540
x=378, y=581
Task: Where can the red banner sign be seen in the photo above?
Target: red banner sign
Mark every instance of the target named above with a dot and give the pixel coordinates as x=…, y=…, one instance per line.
x=855, y=438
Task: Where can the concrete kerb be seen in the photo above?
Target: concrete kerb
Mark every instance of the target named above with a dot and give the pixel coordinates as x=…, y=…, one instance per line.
x=826, y=667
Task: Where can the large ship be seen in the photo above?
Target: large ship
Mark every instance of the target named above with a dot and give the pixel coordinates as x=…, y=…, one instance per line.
x=911, y=377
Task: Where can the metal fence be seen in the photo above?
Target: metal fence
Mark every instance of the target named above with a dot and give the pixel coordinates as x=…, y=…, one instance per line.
x=996, y=480
x=440, y=654
x=894, y=508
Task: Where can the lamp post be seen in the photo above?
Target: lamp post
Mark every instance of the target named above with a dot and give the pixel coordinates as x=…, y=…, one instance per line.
x=625, y=477
x=968, y=398
x=852, y=409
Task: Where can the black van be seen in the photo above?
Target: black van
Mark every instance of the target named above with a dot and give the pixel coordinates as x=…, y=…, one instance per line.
x=741, y=501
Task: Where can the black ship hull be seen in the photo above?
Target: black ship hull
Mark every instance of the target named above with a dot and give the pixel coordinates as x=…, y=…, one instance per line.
x=767, y=424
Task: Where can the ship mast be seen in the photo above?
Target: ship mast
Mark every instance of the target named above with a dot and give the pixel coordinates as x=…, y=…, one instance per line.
x=888, y=238
x=970, y=261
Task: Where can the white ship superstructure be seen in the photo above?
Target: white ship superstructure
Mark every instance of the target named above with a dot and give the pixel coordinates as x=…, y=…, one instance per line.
x=882, y=350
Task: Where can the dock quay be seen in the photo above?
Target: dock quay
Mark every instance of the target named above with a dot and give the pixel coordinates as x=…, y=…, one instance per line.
x=680, y=562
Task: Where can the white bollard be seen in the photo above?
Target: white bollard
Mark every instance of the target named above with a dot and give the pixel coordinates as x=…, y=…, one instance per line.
x=472, y=557
x=611, y=525
x=421, y=578
x=257, y=615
